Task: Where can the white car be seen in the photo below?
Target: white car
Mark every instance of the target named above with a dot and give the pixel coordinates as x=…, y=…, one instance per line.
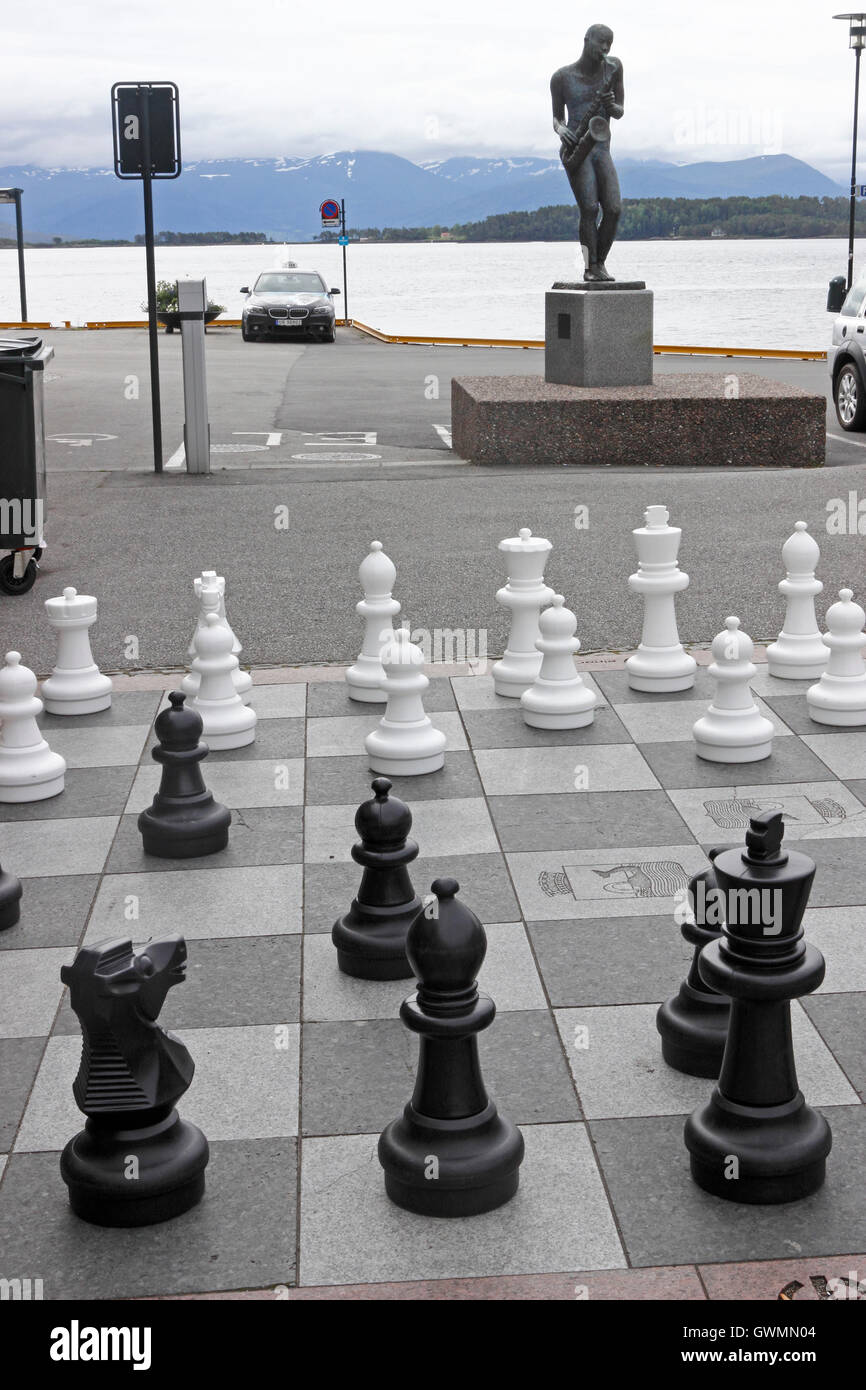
x=847, y=358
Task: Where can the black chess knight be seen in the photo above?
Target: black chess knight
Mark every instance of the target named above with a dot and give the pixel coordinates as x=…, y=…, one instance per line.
x=756, y=1140
x=450, y=1153
x=183, y=821
x=135, y=1162
x=693, y=1023
x=371, y=937
x=10, y=900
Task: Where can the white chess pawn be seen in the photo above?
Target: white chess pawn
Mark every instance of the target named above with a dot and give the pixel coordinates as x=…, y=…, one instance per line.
x=799, y=652
x=660, y=663
x=378, y=609
x=559, y=699
x=76, y=685
x=840, y=695
x=404, y=743
x=733, y=730
x=242, y=680
x=227, y=721
x=29, y=771
x=525, y=595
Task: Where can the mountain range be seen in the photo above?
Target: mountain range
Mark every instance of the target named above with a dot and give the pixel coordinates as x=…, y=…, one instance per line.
x=281, y=196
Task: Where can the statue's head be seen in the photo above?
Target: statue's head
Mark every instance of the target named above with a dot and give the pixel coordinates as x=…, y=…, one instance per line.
x=597, y=41
x=114, y=974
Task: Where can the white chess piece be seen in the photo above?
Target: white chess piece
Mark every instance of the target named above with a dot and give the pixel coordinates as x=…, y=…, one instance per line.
x=378, y=609
x=242, y=680
x=840, y=696
x=733, y=730
x=404, y=743
x=29, y=771
x=76, y=685
x=559, y=698
x=799, y=652
x=525, y=595
x=227, y=721
x=660, y=663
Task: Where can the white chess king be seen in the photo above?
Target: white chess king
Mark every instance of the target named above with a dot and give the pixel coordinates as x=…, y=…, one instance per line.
x=378, y=609
x=840, y=696
x=660, y=663
x=524, y=595
x=404, y=743
x=242, y=680
x=76, y=685
x=799, y=652
x=733, y=730
x=29, y=771
x=559, y=698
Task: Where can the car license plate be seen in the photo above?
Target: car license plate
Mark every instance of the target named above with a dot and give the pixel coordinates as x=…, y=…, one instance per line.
x=288, y=323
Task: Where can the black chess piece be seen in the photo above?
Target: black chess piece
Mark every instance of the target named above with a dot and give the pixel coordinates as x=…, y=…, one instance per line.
x=10, y=900
x=183, y=821
x=756, y=1139
x=450, y=1153
x=135, y=1162
x=371, y=937
x=693, y=1023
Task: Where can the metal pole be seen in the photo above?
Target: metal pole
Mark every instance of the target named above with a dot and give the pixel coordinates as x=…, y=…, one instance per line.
x=19, y=232
x=853, y=208
x=345, y=290
x=151, y=280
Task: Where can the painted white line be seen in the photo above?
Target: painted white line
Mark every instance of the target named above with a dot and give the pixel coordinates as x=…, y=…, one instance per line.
x=846, y=439
x=272, y=438
x=444, y=435
x=177, y=460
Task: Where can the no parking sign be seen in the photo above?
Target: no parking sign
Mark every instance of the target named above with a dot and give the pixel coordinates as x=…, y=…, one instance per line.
x=330, y=211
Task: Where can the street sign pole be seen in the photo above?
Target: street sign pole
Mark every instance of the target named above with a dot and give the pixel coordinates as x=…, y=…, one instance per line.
x=152, y=330
x=19, y=236
x=343, y=238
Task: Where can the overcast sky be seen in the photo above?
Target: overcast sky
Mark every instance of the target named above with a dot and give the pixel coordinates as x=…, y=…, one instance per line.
x=437, y=77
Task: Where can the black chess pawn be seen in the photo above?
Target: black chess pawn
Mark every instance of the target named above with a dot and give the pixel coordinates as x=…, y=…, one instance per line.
x=10, y=900
x=371, y=937
x=450, y=1153
x=135, y=1162
x=756, y=1139
x=693, y=1023
x=183, y=820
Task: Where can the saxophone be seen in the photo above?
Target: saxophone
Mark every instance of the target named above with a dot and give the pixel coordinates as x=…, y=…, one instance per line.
x=592, y=129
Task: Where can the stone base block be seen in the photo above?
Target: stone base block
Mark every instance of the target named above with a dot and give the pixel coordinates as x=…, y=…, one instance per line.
x=687, y=420
x=599, y=336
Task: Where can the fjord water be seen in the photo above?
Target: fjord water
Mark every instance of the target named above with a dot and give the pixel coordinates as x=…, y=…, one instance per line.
x=707, y=293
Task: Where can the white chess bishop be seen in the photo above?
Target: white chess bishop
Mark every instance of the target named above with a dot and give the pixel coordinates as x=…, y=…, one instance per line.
x=378, y=608
x=29, y=771
x=799, y=652
x=242, y=680
x=840, y=696
x=559, y=697
x=525, y=595
x=404, y=743
x=227, y=721
x=76, y=685
x=733, y=730
x=660, y=663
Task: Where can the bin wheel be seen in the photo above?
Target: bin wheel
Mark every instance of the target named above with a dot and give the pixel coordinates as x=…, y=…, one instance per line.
x=12, y=584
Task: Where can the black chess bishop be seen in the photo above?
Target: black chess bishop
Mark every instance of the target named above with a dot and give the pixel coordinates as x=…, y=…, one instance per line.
x=183, y=820
x=756, y=1140
x=693, y=1023
x=136, y=1162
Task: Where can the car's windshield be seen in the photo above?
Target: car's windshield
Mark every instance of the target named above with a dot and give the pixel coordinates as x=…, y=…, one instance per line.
x=289, y=282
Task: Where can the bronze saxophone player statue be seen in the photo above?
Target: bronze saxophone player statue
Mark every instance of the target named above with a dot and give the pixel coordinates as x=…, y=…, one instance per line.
x=591, y=90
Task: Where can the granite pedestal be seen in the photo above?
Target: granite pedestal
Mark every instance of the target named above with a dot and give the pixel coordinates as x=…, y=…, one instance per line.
x=688, y=420
x=599, y=334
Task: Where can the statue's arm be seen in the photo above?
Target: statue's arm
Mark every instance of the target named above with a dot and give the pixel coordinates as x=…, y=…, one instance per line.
x=558, y=98
x=615, y=103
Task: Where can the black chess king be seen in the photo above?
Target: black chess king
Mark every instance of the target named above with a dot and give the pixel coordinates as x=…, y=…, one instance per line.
x=135, y=1162
x=756, y=1140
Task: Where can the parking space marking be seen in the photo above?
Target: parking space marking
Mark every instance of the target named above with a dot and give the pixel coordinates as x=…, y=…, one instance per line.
x=444, y=434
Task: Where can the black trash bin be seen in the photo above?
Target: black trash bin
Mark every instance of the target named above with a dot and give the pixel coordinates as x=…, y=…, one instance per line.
x=22, y=459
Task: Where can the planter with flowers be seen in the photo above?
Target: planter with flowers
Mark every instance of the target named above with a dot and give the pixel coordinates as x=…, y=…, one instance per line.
x=167, y=311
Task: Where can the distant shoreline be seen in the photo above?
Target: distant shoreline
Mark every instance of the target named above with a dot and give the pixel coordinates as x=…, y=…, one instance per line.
x=7, y=245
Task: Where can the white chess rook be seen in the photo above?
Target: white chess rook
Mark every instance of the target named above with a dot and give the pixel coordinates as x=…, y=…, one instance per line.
x=76, y=685
x=227, y=721
x=840, y=696
x=559, y=698
x=29, y=771
x=525, y=595
x=799, y=652
x=378, y=609
x=660, y=663
x=242, y=680
x=733, y=730
x=404, y=743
